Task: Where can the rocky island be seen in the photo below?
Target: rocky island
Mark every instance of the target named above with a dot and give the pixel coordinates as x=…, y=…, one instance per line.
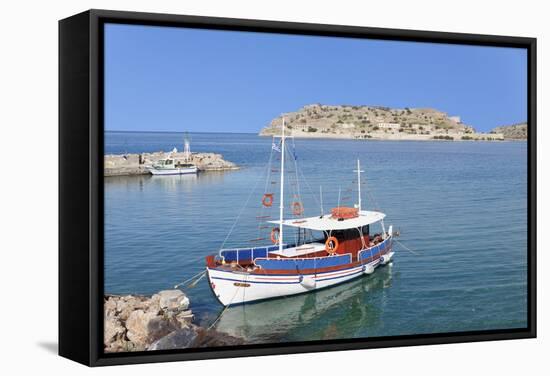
x=512, y=132
x=377, y=122
x=159, y=322
x=136, y=164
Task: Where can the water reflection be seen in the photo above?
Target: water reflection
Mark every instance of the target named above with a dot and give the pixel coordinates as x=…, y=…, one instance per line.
x=167, y=182
x=345, y=309
x=172, y=183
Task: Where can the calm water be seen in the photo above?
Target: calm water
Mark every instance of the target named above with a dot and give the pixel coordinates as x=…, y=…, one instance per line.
x=462, y=206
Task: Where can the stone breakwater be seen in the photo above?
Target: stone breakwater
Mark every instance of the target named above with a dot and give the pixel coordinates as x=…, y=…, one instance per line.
x=159, y=322
x=136, y=164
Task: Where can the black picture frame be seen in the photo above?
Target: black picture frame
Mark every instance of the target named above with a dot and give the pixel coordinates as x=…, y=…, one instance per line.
x=81, y=185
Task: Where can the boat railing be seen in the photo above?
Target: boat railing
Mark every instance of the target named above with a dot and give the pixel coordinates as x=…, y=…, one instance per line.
x=298, y=264
x=252, y=253
x=374, y=250
x=247, y=254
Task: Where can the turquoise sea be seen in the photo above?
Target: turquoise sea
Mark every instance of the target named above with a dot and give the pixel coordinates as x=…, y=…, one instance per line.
x=461, y=206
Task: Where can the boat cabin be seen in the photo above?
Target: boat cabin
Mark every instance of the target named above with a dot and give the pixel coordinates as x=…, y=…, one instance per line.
x=171, y=163
x=344, y=231
x=165, y=163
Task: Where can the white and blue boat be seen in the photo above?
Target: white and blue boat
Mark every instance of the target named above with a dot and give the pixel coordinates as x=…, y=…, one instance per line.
x=171, y=166
x=331, y=249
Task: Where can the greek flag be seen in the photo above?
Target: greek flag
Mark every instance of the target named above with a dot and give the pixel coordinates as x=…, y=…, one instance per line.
x=275, y=147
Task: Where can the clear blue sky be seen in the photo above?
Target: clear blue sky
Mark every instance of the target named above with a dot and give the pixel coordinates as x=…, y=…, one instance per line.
x=176, y=79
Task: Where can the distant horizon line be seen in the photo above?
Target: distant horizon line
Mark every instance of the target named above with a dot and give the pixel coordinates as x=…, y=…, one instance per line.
x=126, y=131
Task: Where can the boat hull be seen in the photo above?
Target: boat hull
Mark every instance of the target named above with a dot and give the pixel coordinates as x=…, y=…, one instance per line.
x=173, y=171
x=234, y=288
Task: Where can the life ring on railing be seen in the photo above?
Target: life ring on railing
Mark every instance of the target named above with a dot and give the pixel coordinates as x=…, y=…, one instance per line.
x=275, y=235
x=297, y=208
x=267, y=200
x=331, y=245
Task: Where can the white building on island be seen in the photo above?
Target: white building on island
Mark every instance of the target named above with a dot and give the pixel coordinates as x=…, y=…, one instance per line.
x=388, y=125
x=455, y=119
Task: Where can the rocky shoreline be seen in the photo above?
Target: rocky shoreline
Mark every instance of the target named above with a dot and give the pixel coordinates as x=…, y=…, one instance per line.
x=162, y=321
x=136, y=164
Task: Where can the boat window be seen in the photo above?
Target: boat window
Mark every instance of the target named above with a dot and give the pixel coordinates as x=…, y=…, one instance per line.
x=351, y=234
x=365, y=230
x=338, y=234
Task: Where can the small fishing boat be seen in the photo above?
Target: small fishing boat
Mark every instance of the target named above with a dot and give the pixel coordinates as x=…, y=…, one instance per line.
x=171, y=166
x=328, y=249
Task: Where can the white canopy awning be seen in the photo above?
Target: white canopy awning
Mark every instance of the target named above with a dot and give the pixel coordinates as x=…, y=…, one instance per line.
x=327, y=222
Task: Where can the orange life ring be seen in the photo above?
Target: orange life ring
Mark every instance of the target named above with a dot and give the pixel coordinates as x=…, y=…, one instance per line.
x=331, y=245
x=297, y=208
x=275, y=240
x=267, y=200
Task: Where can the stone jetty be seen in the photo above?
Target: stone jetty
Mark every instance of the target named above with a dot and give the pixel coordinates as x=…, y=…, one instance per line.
x=136, y=164
x=163, y=321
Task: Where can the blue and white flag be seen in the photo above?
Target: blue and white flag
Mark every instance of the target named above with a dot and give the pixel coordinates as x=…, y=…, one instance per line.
x=275, y=147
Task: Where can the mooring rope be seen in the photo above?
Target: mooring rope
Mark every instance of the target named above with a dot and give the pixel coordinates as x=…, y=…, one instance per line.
x=407, y=248
x=199, y=275
x=194, y=283
x=226, y=307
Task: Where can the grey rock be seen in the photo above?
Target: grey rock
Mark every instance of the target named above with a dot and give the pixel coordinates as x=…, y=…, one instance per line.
x=173, y=300
x=113, y=329
x=163, y=321
x=138, y=326
x=110, y=305
x=185, y=317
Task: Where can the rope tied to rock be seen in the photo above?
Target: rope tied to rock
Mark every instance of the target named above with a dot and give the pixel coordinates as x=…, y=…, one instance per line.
x=199, y=276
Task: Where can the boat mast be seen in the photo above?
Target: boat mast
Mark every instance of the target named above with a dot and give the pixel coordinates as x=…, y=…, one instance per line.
x=359, y=184
x=282, y=204
x=186, y=148
x=321, y=195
